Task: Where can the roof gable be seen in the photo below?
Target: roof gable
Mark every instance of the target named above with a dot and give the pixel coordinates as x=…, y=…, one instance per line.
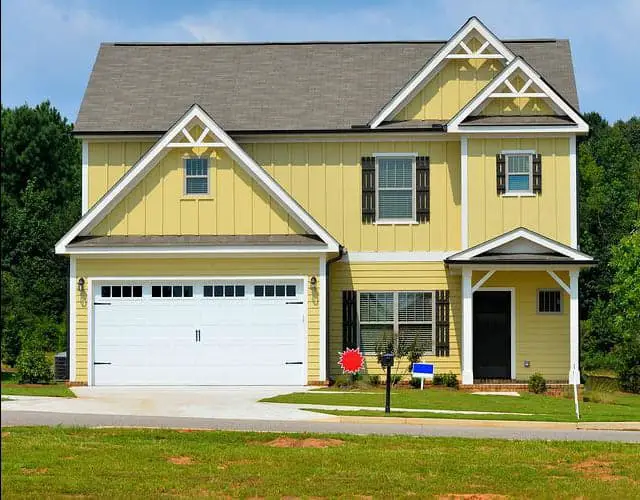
x=173, y=136
x=504, y=86
x=472, y=41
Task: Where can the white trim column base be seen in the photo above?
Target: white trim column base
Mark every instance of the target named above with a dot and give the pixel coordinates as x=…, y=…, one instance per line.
x=574, y=329
x=467, y=328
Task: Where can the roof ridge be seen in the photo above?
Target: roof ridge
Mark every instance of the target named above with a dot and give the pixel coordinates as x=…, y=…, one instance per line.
x=312, y=42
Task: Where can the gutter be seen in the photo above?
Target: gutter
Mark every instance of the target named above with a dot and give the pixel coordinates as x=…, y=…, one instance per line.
x=328, y=307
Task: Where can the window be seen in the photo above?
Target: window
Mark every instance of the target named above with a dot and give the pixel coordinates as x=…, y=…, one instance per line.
x=519, y=172
x=549, y=302
x=121, y=291
x=175, y=291
x=395, y=186
x=196, y=173
x=274, y=290
x=223, y=291
x=400, y=318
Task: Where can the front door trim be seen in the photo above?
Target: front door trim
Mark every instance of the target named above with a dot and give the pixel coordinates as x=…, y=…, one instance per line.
x=512, y=299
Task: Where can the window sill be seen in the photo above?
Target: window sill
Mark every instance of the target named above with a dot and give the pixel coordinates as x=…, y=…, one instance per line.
x=196, y=197
x=519, y=195
x=396, y=222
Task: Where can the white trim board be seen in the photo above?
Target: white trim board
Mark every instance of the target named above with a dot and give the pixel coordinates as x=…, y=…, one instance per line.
x=431, y=67
x=72, y=319
x=85, y=177
x=573, y=192
x=356, y=257
x=321, y=290
x=196, y=250
x=454, y=125
x=130, y=179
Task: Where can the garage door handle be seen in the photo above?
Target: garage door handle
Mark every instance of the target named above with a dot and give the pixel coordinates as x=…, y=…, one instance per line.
x=293, y=363
x=102, y=303
x=295, y=302
x=100, y=363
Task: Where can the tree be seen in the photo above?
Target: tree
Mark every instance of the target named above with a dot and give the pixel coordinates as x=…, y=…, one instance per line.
x=40, y=188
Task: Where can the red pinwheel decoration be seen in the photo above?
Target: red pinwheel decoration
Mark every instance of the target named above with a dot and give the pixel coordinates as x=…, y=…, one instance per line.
x=351, y=361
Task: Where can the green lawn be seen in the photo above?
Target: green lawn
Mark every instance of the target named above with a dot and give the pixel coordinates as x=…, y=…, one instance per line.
x=9, y=387
x=626, y=407
x=118, y=463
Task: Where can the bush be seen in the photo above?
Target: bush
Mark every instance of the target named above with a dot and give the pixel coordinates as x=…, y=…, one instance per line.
x=599, y=397
x=33, y=367
x=628, y=367
x=537, y=384
x=396, y=379
x=415, y=382
x=446, y=379
x=374, y=379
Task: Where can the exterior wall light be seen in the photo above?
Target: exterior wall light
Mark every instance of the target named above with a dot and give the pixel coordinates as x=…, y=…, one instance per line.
x=314, y=282
x=81, y=285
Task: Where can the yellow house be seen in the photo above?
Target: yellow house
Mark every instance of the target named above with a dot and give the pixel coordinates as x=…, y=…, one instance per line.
x=250, y=210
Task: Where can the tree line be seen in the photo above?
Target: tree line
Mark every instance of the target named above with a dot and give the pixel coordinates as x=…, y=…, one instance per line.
x=41, y=193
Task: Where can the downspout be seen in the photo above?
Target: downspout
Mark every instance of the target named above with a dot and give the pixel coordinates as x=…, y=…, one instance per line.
x=328, y=308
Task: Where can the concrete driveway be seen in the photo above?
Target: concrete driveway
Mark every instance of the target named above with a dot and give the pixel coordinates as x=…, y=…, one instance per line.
x=195, y=402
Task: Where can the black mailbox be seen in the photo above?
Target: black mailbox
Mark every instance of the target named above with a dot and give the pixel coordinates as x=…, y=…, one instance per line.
x=387, y=360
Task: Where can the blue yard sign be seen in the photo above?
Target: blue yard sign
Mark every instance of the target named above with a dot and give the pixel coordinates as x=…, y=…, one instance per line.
x=422, y=371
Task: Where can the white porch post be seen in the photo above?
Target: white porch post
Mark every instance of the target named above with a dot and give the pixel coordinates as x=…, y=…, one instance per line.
x=467, y=328
x=574, y=335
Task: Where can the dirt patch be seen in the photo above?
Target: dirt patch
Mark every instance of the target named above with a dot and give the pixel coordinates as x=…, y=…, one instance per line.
x=597, y=469
x=472, y=496
x=6, y=434
x=287, y=442
x=180, y=460
x=225, y=465
x=30, y=472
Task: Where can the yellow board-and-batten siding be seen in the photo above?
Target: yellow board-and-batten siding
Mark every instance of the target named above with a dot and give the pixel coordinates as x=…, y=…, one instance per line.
x=172, y=269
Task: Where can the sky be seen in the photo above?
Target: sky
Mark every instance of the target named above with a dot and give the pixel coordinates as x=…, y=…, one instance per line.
x=49, y=46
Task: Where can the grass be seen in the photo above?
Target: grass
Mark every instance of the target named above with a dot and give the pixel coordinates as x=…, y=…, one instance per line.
x=624, y=407
x=144, y=463
x=10, y=387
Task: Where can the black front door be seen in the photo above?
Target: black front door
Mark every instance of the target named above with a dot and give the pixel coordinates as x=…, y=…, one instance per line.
x=492, y=334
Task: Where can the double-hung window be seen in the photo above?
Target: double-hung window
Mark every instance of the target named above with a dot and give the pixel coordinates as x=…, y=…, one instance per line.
x=396, y=188
x=196, y=174
x=396, y=318
x=519, y=172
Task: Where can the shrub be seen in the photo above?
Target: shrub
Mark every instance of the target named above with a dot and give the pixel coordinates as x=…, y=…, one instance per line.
x=446, y=379
x=33, y=367
x=537, y=384
x=599, y=397
x=374, y=379
x=415, y=382
x=396, y=379
x=628, y=368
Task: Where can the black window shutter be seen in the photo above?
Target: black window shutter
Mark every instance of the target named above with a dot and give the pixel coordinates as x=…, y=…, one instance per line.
x=537, y=173
x=442, y=322
x=368, y=189
x=422, y=188
x=500, y=173
x=349, y=319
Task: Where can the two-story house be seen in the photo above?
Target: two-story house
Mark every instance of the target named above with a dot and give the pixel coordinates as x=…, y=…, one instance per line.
x=251, y=209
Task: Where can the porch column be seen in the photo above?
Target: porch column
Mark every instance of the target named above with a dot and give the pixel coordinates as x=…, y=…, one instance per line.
x=574, y=329
x=467, y=328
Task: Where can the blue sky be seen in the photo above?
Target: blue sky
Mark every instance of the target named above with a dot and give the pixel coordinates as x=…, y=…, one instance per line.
x=49, y=46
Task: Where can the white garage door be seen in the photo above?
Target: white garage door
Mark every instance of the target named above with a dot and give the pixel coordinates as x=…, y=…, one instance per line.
x=230, y=332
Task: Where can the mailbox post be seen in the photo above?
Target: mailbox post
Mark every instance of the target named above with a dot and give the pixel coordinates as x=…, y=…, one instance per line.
x=387, y=362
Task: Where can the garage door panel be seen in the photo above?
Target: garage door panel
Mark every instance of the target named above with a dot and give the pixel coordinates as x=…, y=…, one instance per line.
x=150, y=340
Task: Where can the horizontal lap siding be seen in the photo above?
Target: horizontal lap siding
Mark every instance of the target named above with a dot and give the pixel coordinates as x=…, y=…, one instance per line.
x=542, y=339
x=306, y=267
x=393, y=277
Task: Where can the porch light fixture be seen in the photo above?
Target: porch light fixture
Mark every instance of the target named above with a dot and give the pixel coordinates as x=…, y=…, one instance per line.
x=81, y=285
x=314, y=282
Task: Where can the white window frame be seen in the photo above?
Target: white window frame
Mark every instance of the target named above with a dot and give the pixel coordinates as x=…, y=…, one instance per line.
x=408, y=220
x=396, y=320
x=186, y=176
x=509, y=192
x=552, y=313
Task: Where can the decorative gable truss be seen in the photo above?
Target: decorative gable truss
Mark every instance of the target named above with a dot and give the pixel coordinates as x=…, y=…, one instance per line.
x=472, y=41
x=178, y=136
x=518, y=80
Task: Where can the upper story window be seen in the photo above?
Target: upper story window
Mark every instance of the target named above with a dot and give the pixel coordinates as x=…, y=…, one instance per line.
x=396, y=188
x=519, y=172
x=196, y=174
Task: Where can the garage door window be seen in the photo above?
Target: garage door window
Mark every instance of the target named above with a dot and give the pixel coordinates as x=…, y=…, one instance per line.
x=223, y=291
x=274, y=290
x=120, y=291
x=169, y=291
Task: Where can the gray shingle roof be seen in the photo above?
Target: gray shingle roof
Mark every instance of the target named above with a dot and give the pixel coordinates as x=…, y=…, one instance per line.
x=517, y=120
x=273, y=240
x=260, y=87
